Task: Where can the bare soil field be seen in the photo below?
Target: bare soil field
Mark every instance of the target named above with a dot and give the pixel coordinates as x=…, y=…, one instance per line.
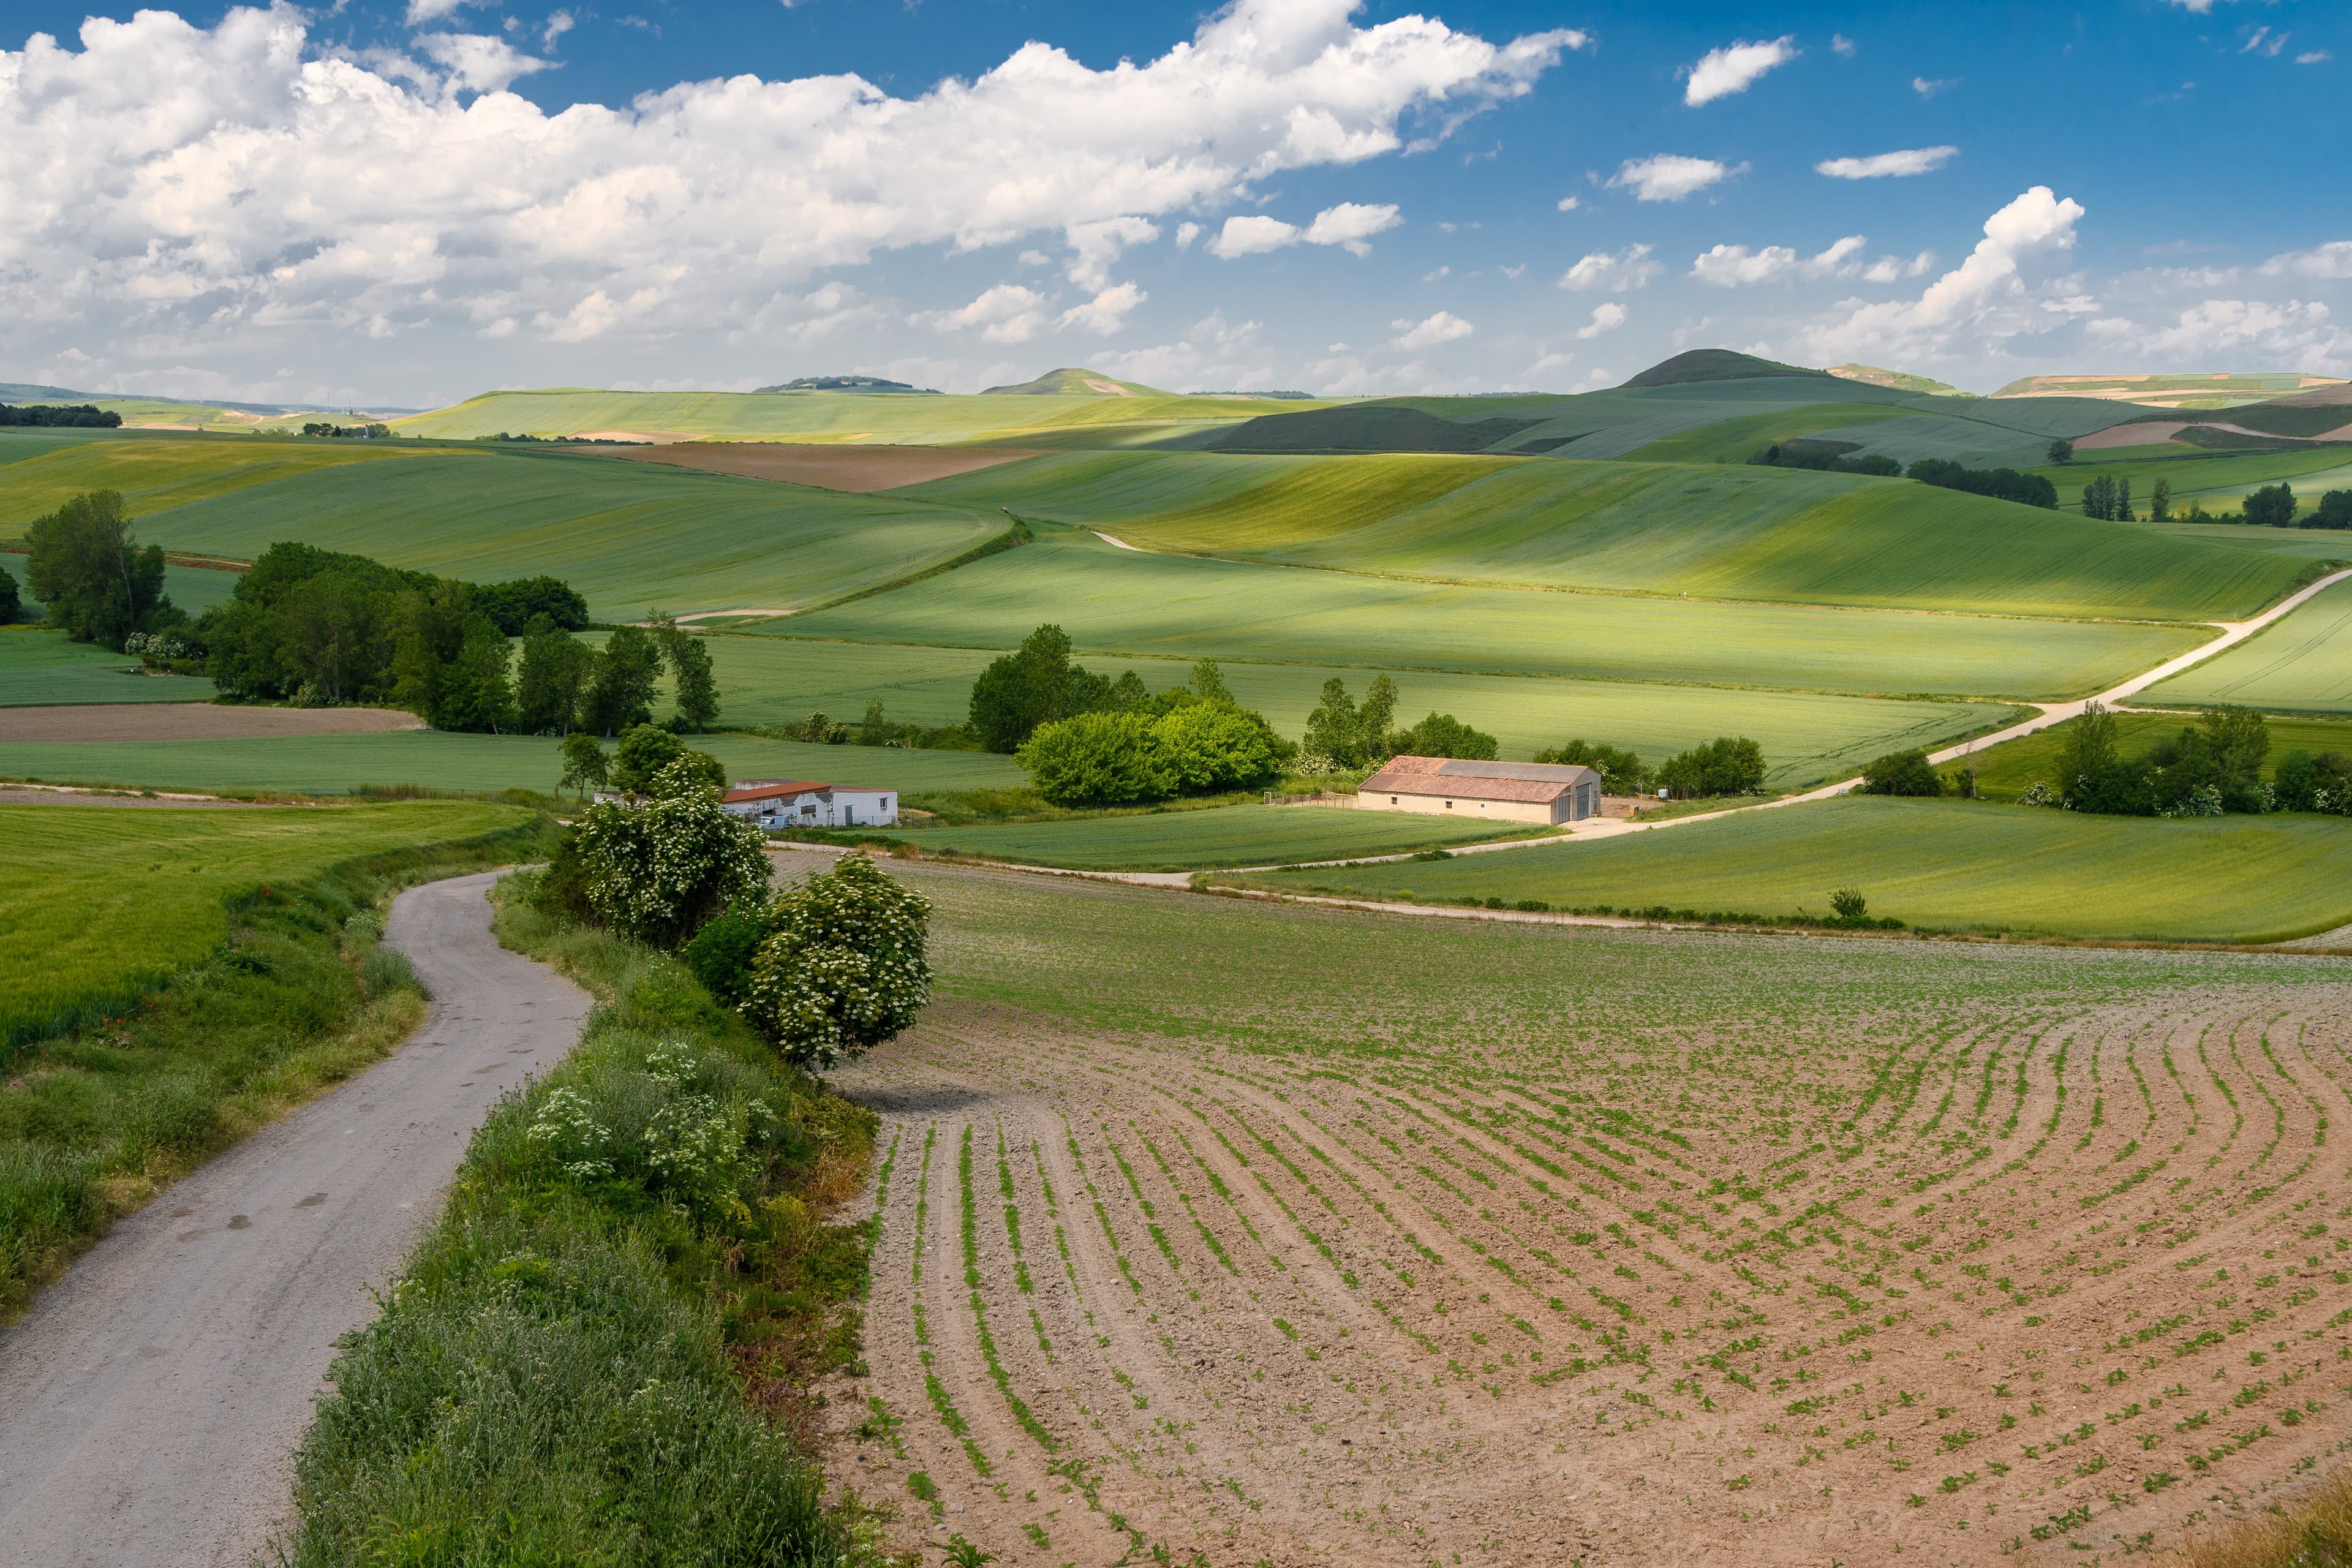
x=194, y=721
x=858, y=471
x=1508, y=1244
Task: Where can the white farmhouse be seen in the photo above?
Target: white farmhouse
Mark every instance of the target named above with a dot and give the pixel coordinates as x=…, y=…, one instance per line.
x=1506, y=792
x=805, y=803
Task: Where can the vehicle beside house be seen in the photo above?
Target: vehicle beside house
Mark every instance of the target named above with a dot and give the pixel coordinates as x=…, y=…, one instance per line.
x=1506, y=791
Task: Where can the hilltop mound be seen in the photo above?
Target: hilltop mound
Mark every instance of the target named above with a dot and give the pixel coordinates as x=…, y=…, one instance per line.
x=872, y=384
x=1713, y=364
x=1897, y=380
x=1365, y=427
x=1075, y=382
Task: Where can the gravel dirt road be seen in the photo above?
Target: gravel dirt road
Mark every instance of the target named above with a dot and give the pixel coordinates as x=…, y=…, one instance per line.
x=150, y=1403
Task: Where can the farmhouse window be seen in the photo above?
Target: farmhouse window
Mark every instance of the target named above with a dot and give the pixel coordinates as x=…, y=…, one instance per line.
x=1392, y=800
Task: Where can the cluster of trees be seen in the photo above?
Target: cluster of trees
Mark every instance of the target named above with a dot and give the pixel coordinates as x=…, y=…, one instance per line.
x=84, y=561
x=2302, y=781
x=825, y=968
x=1829, y=456
x=1194, y=740
x=85, y=416
x=12, y=603
x=1728, y=765
x=1902, y=772
x=1342, y=737
x=1620, y=770
x=2272, y=506
x=2108, y=499
x=2001, y=484
x=372, y=431
x=2212, y=766
x=644, y=752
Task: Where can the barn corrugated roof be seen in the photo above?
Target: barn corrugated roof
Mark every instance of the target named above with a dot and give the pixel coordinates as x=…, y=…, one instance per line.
x=1457, y=779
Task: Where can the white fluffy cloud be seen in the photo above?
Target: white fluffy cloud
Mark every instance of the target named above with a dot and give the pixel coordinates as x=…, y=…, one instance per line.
x=1628, y=269
x=1983, y=296
x=1107, y=312
x=1445, y=327
x=1607, y=317
x=1007, y=313
x=193, y=185
x=2293, y=332
x=1669, y=177
x=1728, y=265
x=1348, y=225
x=1724, y=71
x=2331, y=262
x=1884, y=166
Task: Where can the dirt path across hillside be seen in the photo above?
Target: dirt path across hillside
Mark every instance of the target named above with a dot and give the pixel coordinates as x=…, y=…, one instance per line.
x=151, y=1404
x=194, y=721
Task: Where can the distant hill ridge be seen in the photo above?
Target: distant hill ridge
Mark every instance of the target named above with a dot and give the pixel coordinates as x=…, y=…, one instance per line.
x=865, y=383
x=1074, y=381
x=1695, y=366
x=1897, y=380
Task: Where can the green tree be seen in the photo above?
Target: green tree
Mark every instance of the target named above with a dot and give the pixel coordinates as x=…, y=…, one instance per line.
x=1728, y=765
x=658, y=869
x=553, y=678
x=2090, y=749
x=647, y=751
x=1901, y=772
x=2159, y=501
x=12, y=605
x=1037, y=684
x=85, y=564
x=694, y=682
x=1351, y=736
x=1620, y=770
x=2272, y=506
x=331, y=629
x=1210, y=747
x=2062, y=451
x=475, y=693
x=1444, y=735
x=1099, y=758
x=585, y=764
x=620, y=689
x=1209, y=682
x=846, y=966
x=2334, y=511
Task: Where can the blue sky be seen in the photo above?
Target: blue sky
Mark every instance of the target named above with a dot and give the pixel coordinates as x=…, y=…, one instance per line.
x=404, y=203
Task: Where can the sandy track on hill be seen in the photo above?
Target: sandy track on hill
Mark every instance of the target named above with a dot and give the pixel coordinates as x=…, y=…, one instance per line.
x=194, y=721
x=1344, y=1310
x=150, y=1403
x=856, y=469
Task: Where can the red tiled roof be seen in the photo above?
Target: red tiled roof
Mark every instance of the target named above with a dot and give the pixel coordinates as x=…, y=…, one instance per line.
x=1535, y=783
x=761, y=789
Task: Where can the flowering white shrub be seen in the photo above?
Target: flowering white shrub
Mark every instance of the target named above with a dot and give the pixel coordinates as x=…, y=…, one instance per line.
x=658, y=868
x=845, y=969
x=567, y=1129
x=698, y=1151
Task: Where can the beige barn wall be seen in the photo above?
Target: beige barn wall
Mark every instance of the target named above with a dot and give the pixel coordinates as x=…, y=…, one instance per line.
x=1434, y=805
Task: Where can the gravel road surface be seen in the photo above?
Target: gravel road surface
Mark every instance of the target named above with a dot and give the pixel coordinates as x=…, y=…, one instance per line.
x=151, y=1402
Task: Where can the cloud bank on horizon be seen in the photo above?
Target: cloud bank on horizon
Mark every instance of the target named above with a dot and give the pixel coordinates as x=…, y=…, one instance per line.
x=259, y=209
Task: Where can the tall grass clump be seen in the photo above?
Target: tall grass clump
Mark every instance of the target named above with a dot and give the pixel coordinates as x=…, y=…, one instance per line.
x=2315, y=1532
x=598, y=1354
x=298, y=998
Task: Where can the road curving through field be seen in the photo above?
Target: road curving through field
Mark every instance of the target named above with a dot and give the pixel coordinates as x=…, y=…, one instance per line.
x=150, y=1403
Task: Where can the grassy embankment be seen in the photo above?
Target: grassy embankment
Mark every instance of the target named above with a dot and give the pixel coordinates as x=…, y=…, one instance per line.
x=598, y=1354
x=194, y=974
x=1715, y=532
x=2303, y=661
x=1943, y=865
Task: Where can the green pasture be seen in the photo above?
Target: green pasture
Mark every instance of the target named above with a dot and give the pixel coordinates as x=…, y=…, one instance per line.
x=901, y=420
x=18, y=442
x=1955, y=432
x=1736, y=439
x=432, y=759
x=1806, y=736
x=2221, y=482
x=194, y=589
x=1717, y=530
x=1948, y=864
x=629, y=536
x=2301, y=660
x=100, y=903
x=40, y=669
x=2004, y=772
x=1124, y=602
x=156, y=472
x=1208, y=838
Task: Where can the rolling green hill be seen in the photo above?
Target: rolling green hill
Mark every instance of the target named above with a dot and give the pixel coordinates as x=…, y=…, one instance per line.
x=1116, y=601
x=1899, y=380
x=1072, y=381
x=1722, y=530
x=626, y=535
x=154, y=472
x=2302, y=662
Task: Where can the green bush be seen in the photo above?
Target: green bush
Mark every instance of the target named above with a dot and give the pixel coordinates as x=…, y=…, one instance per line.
x=646, y=750
x=1444, y=735
x=1902, y=772
x=721, y=952
x=1212, y=747
x=1620, y=770
x=844, y=967
x=1728, y=765
x=658, y=870
x=1099, y=759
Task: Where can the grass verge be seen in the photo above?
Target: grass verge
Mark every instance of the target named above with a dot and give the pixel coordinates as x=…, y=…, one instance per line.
x=298, y=998
x=2315, y=1532
x=603, y=1352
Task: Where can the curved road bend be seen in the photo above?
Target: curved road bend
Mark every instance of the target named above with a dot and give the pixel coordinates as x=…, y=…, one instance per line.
x=151, y=1402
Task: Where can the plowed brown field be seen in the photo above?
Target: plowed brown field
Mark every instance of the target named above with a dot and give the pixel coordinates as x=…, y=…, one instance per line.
x=1221, y=1233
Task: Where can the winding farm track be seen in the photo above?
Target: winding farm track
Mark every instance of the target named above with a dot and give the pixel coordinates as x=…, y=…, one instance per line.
x=151, y=1404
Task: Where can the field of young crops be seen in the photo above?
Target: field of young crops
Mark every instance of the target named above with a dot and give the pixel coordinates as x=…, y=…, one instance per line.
x=2302, y=661
x=157, y=471
x=1406, y=1240
x=1208, y=838
x=435, y=759
x=1125, y=602
x=98, y=902
x=1806, y=737
x=626, y=535
x=41, y=667
x=1942, y=864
